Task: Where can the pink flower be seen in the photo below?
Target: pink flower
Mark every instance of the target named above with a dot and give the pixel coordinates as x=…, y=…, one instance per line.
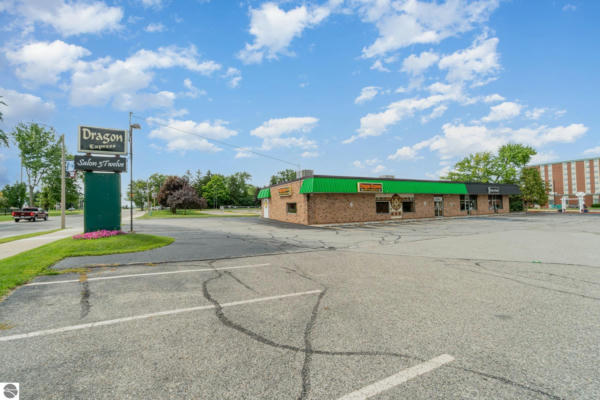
x=98, y=234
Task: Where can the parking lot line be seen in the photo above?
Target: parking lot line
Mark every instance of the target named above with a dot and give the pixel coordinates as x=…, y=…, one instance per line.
x=149, y=274
x=397, y=379
x=150, y=315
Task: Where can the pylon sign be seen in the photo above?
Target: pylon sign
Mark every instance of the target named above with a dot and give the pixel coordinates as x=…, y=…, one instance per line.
x=102, y=180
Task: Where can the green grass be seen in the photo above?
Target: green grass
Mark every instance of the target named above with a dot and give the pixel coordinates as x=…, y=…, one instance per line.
x=191, y=214
x=6, y=218
x=27, y=235
x=21, y=268
x=56, y=213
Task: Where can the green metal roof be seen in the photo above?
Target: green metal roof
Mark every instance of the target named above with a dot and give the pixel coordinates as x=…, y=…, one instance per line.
x=318, y=184
x=264, y=193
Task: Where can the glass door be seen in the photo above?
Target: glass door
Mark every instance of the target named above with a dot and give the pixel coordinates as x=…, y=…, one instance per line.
x=438, y=206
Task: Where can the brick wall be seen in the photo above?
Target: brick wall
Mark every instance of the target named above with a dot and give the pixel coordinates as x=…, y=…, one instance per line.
x=333, y=208
x=278, y=204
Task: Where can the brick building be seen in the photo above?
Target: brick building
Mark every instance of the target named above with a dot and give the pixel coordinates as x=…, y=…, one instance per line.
x=322, y=199
x=569, y=178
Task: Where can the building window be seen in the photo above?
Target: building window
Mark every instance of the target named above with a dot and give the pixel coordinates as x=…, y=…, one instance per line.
x=495, y=202
x=382, y=207
x=408, y=206
x=468, y=202
x=291, y=208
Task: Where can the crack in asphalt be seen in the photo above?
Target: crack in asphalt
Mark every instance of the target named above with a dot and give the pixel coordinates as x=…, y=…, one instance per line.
x=309, y=351
x=85, y=299
x=238, y=280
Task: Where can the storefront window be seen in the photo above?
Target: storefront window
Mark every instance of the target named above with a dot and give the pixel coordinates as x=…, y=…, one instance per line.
x=468, y=202
x=408, y=206
x=473, y=201
x=291, y=208
x=495, y=202
x=382, y=207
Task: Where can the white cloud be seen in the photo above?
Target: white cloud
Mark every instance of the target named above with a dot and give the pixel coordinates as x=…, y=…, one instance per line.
x=379, y=168
x=152, y=3
x=503, y=111
x=70, y=18
x=97, y=82
x=436, y=113
x=274, y=29
x=592, y=151
x=23, y=107
x=193, y=91
x=493, y=98
x=416, y=65
x=274, y=130
x=155, y=27
x=234, y=75
x=458, y=140
x=309, y=154
x=544, y=157
x=474, y=63
x=569, y=7
x=243, y=152
x=536, y=113
x=374, y=124
x=401, y=24
x=190, y=135
x=43, y=62
x=366, y=163
x=404, y=153
x=367, y=93
x=378, y=66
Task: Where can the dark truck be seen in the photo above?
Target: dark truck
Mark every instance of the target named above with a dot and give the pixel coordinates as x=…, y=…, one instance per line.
x=30, y=213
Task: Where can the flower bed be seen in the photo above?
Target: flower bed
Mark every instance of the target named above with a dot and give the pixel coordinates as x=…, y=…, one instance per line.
x=98, y=234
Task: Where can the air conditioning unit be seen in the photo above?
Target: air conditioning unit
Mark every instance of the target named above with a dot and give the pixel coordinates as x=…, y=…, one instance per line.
x=387, y=176
x=304, y=173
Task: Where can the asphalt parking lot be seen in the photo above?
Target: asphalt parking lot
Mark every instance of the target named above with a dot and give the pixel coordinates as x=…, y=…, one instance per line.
x=495, y=307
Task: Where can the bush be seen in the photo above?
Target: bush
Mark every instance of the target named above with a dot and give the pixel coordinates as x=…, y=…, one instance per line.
x=596, y=205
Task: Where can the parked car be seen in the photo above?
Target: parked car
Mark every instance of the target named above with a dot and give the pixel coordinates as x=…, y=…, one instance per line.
x=30, y=213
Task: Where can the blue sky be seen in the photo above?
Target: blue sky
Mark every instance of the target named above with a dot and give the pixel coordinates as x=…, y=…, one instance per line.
x=349, y=87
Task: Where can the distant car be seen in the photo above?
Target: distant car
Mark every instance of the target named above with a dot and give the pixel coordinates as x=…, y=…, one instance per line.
x=71, y=209
x=30, y=213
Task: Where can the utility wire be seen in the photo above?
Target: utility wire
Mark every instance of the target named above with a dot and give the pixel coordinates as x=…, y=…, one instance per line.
x=239, y=148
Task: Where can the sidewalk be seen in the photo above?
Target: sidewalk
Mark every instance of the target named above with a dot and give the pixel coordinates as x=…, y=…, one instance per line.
x=11, y=248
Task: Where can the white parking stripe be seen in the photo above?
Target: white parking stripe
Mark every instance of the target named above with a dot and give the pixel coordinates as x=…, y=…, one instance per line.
x=397, y=379
x=148, y=274
x=145, y=316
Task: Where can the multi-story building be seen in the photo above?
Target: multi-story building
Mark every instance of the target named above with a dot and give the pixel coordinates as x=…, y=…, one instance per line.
x=572, y=179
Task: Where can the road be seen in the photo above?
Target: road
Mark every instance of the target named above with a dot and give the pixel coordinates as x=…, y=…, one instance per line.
x=11, y=228
x=478, y=308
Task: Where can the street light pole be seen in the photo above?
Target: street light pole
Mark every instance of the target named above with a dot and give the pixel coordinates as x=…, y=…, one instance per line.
x=131, y=128
x=62, y=184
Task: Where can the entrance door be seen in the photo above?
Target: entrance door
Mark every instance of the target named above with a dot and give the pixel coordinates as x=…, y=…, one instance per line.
x=266, y=214
x=438, y=206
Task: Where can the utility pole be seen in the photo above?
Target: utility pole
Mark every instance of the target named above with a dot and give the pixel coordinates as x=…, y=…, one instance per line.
x=62, y=184
x=130, y=175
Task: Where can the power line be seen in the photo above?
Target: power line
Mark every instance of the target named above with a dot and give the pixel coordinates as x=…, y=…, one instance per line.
x=239, y=148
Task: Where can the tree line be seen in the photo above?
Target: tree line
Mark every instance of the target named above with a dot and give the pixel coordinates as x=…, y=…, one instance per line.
x=40, y=154
x=194, y=190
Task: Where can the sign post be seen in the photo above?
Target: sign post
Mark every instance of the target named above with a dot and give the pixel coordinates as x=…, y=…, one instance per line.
x=102, y=199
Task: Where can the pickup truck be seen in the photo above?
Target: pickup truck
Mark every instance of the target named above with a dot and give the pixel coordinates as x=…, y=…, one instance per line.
x=30, y=213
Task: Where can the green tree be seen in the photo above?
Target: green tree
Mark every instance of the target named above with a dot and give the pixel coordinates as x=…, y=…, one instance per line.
x=238, y=188
x=40, y=153
x=283, y=176
x=140, y=193
x=533, y=189
x=215, y=191
x=3, y=136
x=478, y=167
x=15, y=195
x=505, y=167
x=511, y=160
x=155, y=182
x=51, y=191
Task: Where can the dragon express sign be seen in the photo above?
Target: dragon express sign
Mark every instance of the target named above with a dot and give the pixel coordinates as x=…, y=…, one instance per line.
x=368, y=187
x=101, y=140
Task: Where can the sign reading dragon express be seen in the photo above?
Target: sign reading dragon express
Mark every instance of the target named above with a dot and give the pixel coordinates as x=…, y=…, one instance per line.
x=367, y=187
x=105, y=164
x=101, y=140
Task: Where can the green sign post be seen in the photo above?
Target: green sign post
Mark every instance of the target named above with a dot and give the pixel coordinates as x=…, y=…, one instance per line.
x=102, y=204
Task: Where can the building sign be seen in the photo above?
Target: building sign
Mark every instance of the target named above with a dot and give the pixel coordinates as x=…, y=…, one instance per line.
x=493, y=190
x=396, y=202
x=106, y=164
x=285, y=191
x=438, y=198
x=101, y=140
x=367, y=187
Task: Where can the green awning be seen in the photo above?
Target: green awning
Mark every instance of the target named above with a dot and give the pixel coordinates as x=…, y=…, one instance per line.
x=264, y=193
x=350, y=185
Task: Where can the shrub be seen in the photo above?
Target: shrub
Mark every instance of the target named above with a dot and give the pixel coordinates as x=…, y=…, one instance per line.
x=596, y=205
x=98, y=234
